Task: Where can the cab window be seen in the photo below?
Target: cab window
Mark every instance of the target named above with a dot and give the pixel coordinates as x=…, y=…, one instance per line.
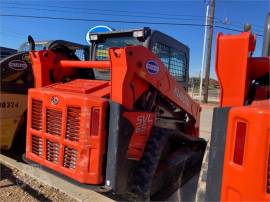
x=173, y=59
x=102, y=52
x=81, y=54
x=38, y=47
x=163, y=52
x=102, y=47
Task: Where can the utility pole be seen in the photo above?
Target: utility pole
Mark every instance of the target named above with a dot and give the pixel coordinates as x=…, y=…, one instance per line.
x=203, y=52
x=209, y=47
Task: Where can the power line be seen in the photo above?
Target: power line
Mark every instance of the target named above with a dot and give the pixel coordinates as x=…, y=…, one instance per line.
x=240, y=23
x=191, y=17
x=140, y=16
x=232, y=29
x=118, y=21
x=97, y=20
x=254, y=28
x=106, y=14
x=106, y=10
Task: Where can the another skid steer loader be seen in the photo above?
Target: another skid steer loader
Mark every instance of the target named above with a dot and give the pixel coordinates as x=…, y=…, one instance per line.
x=237, y=162
x=132, y=128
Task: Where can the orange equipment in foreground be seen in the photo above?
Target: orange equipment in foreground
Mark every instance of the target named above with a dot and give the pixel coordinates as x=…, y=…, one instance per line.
x=239, y=159
x=114, y=132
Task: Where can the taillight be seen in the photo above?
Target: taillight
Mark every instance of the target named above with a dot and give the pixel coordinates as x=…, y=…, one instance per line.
x=239, y=146
x=94, y=121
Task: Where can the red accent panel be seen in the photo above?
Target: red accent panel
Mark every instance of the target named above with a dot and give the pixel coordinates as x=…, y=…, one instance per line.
x=95, y=121
x=142, y=123
x=239, y=146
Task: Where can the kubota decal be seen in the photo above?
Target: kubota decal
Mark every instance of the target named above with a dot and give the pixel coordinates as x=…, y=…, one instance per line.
x=152, y=67
x=17, y=65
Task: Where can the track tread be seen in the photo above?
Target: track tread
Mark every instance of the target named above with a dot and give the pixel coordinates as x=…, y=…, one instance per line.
x=146, y=168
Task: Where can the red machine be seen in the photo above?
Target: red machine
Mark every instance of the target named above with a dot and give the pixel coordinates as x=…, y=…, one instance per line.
x=239, y=158
x=246, y=161
x=135, y=133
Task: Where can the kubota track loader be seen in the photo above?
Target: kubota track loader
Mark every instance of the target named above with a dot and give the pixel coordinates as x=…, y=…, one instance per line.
x=239, y=158
x=132, y=128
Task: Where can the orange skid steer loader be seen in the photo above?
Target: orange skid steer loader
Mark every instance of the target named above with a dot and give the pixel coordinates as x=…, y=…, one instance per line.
x=239, y=158
x=136, y=133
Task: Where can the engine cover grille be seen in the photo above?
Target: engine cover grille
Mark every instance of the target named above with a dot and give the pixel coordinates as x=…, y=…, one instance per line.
x=52, y=150
x=60, y=132
x=53, y=122
x=73, y=123
x=37, y=145
x=36, y=114
x=70, y=158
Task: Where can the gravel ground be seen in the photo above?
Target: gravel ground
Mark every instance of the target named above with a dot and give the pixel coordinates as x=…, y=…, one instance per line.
x=16, y=186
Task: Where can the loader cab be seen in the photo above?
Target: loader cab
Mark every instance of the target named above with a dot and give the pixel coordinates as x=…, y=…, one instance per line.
x=174, y=54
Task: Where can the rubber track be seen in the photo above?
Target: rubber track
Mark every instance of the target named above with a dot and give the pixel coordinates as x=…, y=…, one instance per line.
x=146, y=168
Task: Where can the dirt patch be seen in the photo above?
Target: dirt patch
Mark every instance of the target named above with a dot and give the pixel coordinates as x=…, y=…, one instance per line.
x=16, y=186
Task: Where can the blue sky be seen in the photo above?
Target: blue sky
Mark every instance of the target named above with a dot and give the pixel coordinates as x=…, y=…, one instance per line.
x=14, y=31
